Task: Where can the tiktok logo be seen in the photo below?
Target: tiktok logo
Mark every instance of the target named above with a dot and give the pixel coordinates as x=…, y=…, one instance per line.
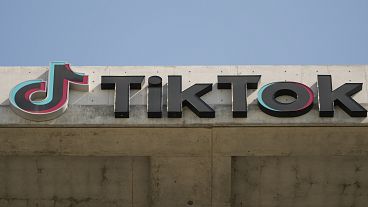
x=39, y=100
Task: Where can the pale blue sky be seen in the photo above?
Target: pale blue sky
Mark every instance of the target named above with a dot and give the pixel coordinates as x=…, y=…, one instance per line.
x=186, y=32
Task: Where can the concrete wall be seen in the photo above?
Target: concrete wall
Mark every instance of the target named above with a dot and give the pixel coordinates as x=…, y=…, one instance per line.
x=95, y=108
x=74, y=181
x=203, y=167
x=299, y=181
x=86, y=157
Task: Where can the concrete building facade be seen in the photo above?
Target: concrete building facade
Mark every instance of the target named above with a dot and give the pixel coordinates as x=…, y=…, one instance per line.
x=87, y=157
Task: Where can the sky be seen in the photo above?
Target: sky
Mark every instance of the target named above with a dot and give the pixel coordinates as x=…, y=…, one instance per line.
x=183, y=32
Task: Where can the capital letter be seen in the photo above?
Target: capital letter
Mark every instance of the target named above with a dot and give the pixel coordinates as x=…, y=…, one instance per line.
x=239, y=85
x=122, y=86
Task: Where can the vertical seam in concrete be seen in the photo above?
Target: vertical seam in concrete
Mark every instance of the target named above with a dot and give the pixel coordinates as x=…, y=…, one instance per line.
x=211, y=175
x=132, y=177
x=60, y=147
x=150, y=185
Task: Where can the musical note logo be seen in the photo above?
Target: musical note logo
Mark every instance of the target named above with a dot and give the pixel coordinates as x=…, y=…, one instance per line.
x=39, y=100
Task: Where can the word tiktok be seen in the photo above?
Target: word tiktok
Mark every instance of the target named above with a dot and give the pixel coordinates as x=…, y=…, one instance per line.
x=41, y=100
x=239, y=85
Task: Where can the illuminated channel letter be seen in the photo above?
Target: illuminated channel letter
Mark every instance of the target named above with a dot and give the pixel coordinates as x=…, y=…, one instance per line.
x=34, y=100
x=239, y=85
x=122, y=86
x=340, y=96
x=190, y=97
x=302, y=104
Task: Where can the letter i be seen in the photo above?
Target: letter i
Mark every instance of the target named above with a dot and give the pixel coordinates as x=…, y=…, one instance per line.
x=154, y=102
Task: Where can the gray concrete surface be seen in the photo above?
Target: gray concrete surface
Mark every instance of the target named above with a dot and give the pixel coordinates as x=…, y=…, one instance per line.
x=74, y=181
x=95, y=108
x=202, y=167
x=86, y=157
x=300, y=181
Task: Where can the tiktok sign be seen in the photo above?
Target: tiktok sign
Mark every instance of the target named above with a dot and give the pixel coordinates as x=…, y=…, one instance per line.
x=40, y=100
